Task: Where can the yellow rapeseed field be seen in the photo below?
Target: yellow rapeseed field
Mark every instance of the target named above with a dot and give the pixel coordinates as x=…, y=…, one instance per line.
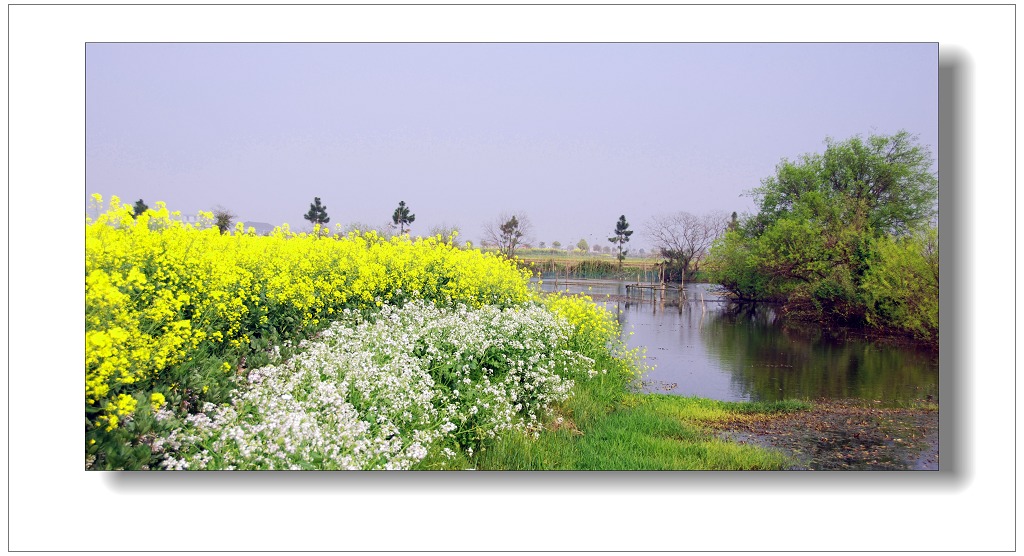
x=160, y=293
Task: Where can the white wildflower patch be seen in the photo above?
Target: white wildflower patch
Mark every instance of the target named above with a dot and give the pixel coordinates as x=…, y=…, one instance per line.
x=386, y=393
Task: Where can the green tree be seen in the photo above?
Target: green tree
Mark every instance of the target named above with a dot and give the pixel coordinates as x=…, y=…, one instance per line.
x=827, y=225
x=887, y=180
x=511, y=235
x=582, y=245
x=317, y=213
x=140, y=207
x=222, y=218
x=901, y=286
x=556, y=244
x=622, y=233
x=402, y=217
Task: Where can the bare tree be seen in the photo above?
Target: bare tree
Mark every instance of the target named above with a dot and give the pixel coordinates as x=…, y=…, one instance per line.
x=448, y=232
x=383, y=230
x=508, y=232
x=684, y=239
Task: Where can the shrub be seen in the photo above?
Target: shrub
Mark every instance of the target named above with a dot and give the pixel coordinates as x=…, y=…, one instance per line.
x=901, y=287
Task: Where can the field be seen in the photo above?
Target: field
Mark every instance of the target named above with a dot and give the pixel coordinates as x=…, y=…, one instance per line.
x=310, y=351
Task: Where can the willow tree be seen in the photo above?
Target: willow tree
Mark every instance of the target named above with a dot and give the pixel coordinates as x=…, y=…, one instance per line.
x=884, y=181
x=821, y=222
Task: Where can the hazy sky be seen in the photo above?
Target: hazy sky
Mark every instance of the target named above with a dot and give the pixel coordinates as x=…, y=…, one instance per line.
x=571, y=134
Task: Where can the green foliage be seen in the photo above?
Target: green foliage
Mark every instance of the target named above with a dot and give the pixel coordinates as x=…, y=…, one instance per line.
x=886, y=178
x=825, y=224
x=732, y=264
x=510, y=236
x=139, y=208
x=622, y=233
x=222, y=218
x=402, y=218
x=605, y=424
x=602, y=428
x=901, y=288
x=317, y=214
x=582, y=245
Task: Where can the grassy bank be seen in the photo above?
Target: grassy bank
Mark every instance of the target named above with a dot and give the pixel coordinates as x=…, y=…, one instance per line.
x=612, y=430
x=606, y=424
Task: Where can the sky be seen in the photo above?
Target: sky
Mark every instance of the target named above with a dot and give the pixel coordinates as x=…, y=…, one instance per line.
x=571, y=134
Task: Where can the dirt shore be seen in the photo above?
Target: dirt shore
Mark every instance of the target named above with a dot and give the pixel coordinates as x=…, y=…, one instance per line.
x=846, y=435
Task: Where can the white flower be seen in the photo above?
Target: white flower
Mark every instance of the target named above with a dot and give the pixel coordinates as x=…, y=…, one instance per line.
x=367, y=401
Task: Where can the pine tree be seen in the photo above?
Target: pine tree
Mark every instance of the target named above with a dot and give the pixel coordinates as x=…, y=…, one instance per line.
x=622, y=233
x=402, y=218
x=140, y=207
x=317, y=213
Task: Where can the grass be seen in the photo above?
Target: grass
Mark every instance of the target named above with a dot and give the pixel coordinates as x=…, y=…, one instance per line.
x=604, y=427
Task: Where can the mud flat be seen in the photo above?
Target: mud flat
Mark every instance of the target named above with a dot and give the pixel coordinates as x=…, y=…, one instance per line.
x=846, y=435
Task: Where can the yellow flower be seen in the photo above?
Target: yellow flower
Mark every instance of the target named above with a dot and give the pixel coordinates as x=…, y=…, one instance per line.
x=111, y=421
x=125, y=404
x=159, y=292
x=157, y=400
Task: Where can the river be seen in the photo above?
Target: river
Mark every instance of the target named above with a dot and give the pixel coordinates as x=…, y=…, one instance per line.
x=710, y=347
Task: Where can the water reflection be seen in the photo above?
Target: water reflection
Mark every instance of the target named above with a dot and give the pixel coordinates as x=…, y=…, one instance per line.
x=702, y=345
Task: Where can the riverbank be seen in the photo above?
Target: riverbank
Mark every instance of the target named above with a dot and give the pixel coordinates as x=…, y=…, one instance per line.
x=845, y=435
x=297, y=352
x=604, y=429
